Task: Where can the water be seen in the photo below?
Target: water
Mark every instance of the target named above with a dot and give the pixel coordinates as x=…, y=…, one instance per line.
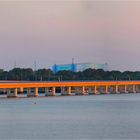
x=75, y=117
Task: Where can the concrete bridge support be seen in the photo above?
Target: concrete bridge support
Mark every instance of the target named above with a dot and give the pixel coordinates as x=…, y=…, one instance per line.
x=95, y=90
x=36, y=92
x=125, y=89
x=32, y=92
x=111, y=89
x=83, y=90
x=50, y=91
x=80, y=91
x=11, y=93
x=107, y=90
x=21, y=90
x=117, y=89
x=69, y=90
x=133, y=89
x=137, y=87
x=53, y=91
x=65, y=91
x=130, y=89
x=3, y=91
x=104, y=90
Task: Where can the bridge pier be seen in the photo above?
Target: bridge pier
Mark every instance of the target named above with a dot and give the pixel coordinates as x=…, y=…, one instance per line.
x=50, y=91
x=32, y=92
x=125, y=89
x=83, y=90
x=130, y=88
x=65, y=91
x=133, y=88
x=69, y=90
x=21, y=90
x=117, y=89
x=111, y=89
x=80, y=91
x=96, y=91
x=3, y=91
x=137, y=87
x=11, y=93
x=106, y=90
x=53, y=92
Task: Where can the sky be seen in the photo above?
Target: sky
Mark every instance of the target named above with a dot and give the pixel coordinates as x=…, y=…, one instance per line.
x=55, y=31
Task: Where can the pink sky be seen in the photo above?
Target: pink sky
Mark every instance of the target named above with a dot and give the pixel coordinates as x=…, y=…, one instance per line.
x=57, y=31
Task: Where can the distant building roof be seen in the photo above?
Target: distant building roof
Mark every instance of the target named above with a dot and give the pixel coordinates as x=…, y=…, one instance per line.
x=78, y=67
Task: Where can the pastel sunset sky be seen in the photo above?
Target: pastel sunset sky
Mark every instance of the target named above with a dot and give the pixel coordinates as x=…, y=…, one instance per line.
x=55, y=31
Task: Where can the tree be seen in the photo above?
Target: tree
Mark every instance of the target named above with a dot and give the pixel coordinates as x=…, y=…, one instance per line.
x=44, y=74
x=65, y=75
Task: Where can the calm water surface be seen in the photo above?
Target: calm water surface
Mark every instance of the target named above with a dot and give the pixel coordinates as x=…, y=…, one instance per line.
x=75, y=117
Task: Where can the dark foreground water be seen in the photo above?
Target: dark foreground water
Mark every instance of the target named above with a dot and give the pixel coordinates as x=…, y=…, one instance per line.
x=75, y=117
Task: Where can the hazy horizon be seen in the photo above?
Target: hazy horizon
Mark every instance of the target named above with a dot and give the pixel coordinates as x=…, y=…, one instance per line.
x=56, y=31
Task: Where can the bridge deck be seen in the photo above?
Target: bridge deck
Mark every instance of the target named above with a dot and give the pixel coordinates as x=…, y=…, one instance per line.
x=27, y=84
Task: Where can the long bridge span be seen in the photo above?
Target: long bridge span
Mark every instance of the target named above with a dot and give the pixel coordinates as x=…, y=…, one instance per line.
x=12, y=88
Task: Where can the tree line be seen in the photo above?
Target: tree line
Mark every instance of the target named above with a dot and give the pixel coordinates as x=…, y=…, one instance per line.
x=28, y=74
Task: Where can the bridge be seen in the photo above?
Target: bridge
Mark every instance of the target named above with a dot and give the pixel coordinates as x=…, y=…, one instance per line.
x=12, y=88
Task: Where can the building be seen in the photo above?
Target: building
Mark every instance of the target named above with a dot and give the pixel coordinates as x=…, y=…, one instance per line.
x=79, y=67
